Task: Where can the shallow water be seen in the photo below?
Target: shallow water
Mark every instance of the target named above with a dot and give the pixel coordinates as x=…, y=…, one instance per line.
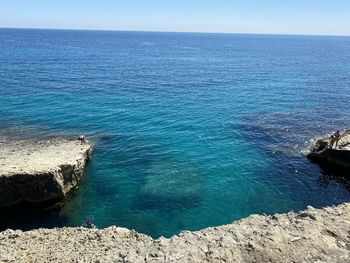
x=191, y=130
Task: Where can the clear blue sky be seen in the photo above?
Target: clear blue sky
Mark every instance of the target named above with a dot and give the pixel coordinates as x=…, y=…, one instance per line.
x=325, y=17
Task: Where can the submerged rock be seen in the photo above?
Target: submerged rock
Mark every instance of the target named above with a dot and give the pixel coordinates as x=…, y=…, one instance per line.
x=40, y=172
x=336, y=157
x=171, y=183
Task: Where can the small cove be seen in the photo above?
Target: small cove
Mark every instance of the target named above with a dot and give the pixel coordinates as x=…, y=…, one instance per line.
x=191, y=130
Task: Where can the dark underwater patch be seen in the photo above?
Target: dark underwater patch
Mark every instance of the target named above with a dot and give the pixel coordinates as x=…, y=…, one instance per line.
x=170, y=184
x=30, y=217
x=288, y=133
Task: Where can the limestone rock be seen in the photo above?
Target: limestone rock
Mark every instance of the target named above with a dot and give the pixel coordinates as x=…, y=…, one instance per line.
x=291, y=237
x=332, y=158
x=39, y=172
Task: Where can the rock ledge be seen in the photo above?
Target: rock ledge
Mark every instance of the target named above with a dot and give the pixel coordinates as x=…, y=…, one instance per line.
x=332, y=158
x=42, y=171
x=313, y=235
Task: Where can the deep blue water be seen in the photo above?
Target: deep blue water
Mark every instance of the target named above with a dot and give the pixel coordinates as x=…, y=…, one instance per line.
x=191, y=130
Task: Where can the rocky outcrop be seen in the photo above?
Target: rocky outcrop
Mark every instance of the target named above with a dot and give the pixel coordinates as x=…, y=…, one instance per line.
x=332, y=157
x=313, y=235
x=40, y=172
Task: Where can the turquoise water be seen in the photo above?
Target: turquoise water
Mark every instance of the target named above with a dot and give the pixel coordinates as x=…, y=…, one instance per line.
x=190, y=130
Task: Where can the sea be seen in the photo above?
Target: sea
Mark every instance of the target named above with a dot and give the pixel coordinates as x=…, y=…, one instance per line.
x=190, y=130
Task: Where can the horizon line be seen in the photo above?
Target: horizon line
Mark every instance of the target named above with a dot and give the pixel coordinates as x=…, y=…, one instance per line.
x=180, y=32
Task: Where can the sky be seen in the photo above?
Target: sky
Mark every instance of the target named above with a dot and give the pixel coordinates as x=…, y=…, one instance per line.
x=310, y=17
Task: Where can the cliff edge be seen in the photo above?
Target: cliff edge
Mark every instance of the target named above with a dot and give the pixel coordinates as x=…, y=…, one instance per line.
x=42, y=171
x=313, y=235
x=332, y=156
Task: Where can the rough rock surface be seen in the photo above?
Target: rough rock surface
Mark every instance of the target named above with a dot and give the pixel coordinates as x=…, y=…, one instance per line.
x=332, y=158
x=313, y=235
x=43, y=171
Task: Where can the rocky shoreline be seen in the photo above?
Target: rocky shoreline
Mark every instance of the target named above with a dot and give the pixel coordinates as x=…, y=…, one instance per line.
x=331, y=157
x=313, y=235
x=38, y=172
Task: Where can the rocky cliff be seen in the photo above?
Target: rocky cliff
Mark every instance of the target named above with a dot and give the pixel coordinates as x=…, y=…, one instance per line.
x=313, y=235
x=40, y=172
x=332, y=158
x=36, y=172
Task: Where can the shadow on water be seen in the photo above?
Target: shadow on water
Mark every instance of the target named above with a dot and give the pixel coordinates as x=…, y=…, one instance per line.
x=328, y=176
x=26, y=217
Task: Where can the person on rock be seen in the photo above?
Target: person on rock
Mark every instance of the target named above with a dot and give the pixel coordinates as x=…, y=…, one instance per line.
x=331, y=141
x=82, y=139
x=89, y=224
x=334, y=140
x=337, y=137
